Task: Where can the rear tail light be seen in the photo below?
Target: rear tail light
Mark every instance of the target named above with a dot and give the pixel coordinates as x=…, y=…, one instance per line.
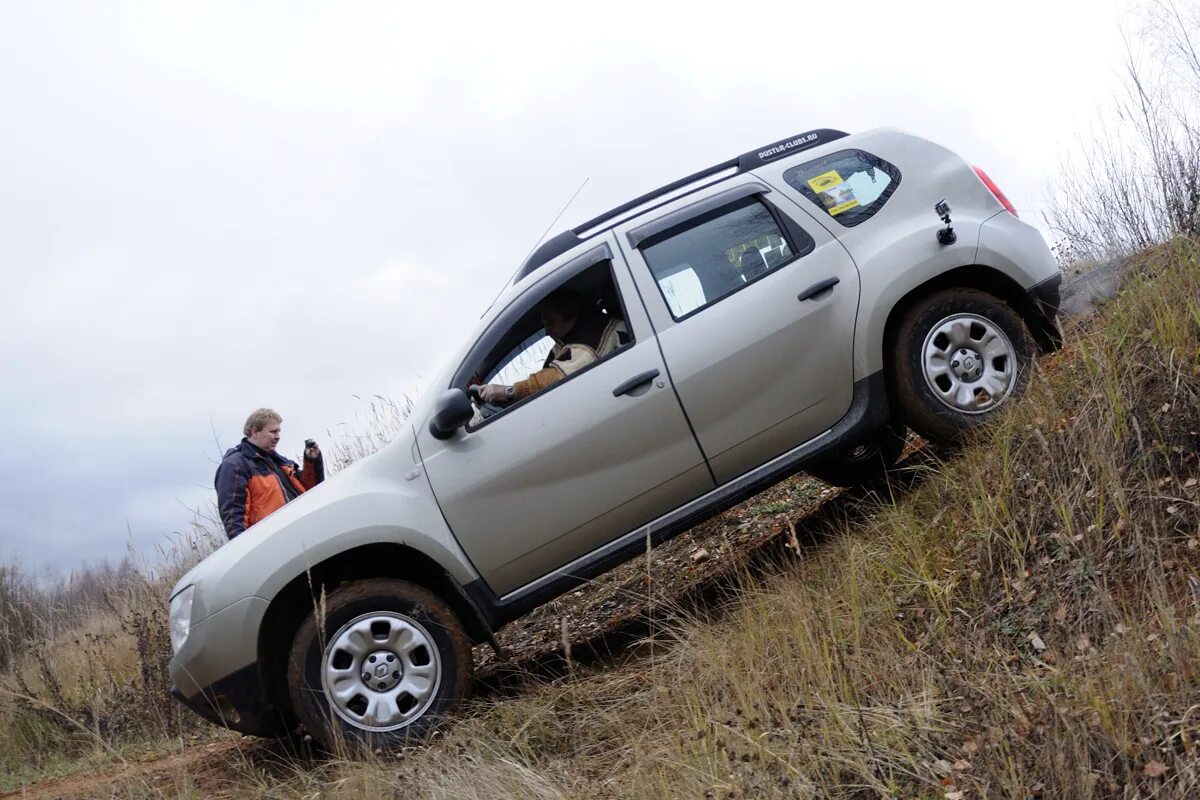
x=994, y=189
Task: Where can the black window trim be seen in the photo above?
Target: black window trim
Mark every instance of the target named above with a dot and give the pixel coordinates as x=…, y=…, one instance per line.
x=682, y=216
x=868, y=211
x=790, y=230
x=521, y=305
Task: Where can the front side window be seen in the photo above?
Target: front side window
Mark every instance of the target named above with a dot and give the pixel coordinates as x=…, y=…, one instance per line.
x=709, y=257
x=528, y=356
x=548, y=337
x=850, y=186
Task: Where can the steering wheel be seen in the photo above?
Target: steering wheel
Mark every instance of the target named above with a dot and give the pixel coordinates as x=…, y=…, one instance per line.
x=475, y=392
x=485, y=409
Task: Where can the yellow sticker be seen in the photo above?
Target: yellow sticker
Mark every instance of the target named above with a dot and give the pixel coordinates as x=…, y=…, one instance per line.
x=840, y=207
x=826, y=180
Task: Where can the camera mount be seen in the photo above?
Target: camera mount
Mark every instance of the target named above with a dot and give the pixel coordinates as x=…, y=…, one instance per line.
x=945, y=235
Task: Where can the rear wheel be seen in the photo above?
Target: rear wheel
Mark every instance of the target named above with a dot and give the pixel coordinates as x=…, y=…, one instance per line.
x=865, y=461
x=385, y=665
x=959, y=355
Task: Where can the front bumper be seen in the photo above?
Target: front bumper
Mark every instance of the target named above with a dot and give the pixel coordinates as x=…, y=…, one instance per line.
x=236, y=702
x=217, y=675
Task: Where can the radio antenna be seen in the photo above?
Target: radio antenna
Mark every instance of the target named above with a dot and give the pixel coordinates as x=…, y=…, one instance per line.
x=535, y=245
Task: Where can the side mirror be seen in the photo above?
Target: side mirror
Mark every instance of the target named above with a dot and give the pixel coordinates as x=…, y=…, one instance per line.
x=452, y=410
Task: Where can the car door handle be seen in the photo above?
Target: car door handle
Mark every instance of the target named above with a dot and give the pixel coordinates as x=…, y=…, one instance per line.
x=818, y=287
x=634, y=382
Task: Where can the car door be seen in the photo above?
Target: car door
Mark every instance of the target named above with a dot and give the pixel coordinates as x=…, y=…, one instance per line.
x=576, y=465
x=754, y=305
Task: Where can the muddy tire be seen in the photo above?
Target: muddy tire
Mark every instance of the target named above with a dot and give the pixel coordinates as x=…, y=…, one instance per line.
x=387, y=664
x=958, y=356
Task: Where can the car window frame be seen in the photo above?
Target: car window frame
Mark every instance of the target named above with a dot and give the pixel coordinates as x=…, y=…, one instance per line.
x=522, y=304
x=791, y=176
x=792, y=232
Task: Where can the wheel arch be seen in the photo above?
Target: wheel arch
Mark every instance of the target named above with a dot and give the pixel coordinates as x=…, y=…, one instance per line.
x=984, y=279
x=292, y=604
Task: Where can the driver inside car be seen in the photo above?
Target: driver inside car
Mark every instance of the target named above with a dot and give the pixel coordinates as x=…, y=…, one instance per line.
x=582, y=335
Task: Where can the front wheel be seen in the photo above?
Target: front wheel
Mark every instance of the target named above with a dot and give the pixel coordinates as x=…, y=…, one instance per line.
x=959, y=355
x=386, y=663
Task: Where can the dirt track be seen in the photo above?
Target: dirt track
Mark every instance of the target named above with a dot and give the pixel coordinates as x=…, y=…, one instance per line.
x=201, y=765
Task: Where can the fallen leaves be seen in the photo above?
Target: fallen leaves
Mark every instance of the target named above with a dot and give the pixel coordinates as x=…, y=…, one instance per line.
x=1155, y=769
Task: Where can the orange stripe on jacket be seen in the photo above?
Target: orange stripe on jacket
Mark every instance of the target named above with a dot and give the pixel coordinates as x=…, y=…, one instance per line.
x=265, y=496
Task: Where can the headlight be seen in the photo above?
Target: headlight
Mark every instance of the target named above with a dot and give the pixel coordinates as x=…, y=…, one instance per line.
x=181, y=618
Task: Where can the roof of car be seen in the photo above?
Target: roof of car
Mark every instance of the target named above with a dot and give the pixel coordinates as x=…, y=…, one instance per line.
x=562, y=242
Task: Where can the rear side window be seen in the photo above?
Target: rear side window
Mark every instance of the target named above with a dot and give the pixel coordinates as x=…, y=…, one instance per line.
x=849, y=186
x=715, y=254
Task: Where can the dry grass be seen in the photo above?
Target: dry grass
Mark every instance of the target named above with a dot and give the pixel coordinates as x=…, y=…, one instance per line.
x=88, y=674
x=1021, y=620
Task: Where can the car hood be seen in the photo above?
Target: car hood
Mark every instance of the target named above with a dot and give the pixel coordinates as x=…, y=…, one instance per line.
x=384, y=497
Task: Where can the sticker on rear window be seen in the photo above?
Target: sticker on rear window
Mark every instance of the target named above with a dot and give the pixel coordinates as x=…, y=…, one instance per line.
x=840, y=207
x=850, y=186
x=825, y=181
x=838, y=199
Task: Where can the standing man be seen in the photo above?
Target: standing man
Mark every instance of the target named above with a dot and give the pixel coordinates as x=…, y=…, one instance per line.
x=254, y=480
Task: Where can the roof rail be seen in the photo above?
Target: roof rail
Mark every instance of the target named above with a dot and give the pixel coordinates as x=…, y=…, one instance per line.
x=564, y=241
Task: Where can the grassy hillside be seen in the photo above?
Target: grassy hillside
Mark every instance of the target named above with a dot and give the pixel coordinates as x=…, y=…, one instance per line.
x=1017, y=619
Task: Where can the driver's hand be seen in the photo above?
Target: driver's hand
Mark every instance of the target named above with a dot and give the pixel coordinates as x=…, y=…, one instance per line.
x=493, y=393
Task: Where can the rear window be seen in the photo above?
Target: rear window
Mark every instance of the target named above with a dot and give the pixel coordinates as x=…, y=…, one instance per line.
x=849, y=186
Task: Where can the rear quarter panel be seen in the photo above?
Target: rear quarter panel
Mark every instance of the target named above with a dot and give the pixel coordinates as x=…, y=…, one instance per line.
x=897, y=250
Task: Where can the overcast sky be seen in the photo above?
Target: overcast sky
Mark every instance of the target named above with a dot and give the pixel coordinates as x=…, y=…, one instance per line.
x=208, y=208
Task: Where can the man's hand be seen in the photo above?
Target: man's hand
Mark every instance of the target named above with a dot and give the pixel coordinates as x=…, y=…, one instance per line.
x=494, y=393
x=311, y=451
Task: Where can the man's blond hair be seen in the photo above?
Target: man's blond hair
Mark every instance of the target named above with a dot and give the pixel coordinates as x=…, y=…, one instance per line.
x=260, y=419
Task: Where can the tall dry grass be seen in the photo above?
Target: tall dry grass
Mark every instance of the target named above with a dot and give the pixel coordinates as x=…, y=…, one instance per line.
x=86, y=672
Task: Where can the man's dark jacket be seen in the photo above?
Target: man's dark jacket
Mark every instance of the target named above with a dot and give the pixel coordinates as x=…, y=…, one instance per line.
x=251, y=483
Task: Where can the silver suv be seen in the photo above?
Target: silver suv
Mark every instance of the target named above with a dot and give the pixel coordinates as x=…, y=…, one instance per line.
x=798, y=307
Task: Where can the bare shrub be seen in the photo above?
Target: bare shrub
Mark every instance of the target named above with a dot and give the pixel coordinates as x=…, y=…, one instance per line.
x=1135, y=181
